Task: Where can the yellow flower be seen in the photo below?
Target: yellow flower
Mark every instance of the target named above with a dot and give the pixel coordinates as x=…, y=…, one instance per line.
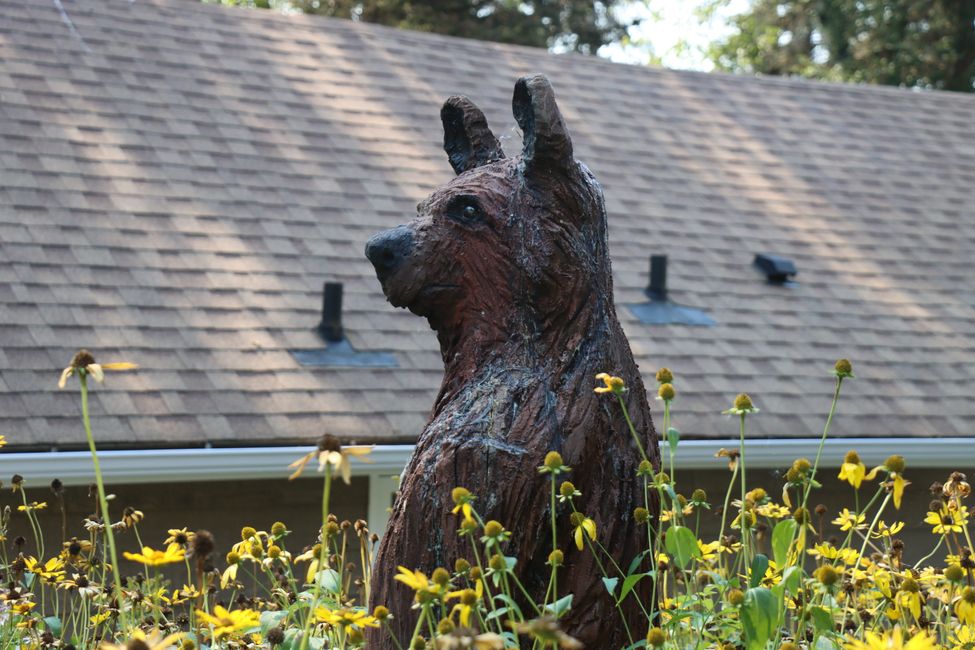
x=331, y=452
x=345, y=618
x=853, y=471
x=773, y=511
x=3, y=441
x=180, y=536
x=468, y=600
x=415, y=580
x=883, y=530
x=33, y=505
x=897, y=487
x=587, y=526
x=101, y=617
x=153, y=641
x=83, y=362
x=611, y=384
x=847, y=520
x=963, y=637
x=151, y=557
x=965, y=607
x=947, y=521
x=227, y=623
x=52, y=570
x=893, y=640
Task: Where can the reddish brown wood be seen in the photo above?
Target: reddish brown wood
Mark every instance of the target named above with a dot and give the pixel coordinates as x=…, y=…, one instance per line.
x=509, y=263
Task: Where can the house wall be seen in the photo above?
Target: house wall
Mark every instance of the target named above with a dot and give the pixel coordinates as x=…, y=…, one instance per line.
x=223, y=507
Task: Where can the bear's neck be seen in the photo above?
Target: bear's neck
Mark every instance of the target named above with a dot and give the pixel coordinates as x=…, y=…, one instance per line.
x=548, y=348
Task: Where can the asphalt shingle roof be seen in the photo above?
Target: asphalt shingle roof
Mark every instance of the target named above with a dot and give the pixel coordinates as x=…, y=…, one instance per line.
x=178, y=179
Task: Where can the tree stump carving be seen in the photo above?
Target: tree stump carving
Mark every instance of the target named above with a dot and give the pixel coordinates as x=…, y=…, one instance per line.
x=509, y=263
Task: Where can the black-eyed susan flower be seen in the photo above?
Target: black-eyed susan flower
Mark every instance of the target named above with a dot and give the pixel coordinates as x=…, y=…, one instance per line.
x=155, y=639
x=229, y=623
x=892, y=640
x=330, y=452
x=79, y=582
x=847, y=520
x=962, y=637
x=947, y=521
x=32, y=506
x=181, y=536
x=611, y=384
x=345, y=618
x=84, y=362
x=51, y=571
x=153, y=557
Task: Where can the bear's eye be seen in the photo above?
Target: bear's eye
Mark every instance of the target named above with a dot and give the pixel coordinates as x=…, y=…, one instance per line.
x=464, y=208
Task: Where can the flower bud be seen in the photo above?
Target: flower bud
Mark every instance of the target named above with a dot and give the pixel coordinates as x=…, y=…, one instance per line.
x=665, y=376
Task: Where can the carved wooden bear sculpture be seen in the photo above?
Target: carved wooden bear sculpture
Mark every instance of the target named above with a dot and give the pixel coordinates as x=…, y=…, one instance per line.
x=509, y=263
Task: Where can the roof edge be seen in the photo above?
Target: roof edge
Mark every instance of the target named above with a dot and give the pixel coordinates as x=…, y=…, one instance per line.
x=237, y=463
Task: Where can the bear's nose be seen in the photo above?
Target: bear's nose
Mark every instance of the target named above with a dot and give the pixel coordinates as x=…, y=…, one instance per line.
x=388, y=249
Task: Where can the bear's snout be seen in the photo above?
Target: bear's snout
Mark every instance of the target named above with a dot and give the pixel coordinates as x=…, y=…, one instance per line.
x=387, y=250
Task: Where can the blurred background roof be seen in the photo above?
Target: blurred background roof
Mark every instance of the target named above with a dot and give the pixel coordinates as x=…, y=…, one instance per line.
x=177, y=180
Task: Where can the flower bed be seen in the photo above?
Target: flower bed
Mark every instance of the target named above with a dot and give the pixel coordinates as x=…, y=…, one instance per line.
x=769, y=579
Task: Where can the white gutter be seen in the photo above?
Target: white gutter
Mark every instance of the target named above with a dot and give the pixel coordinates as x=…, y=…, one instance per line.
x=235, y=463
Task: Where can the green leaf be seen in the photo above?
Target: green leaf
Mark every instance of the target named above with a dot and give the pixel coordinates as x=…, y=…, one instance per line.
x=782, y=536
x=53, y=624
x=759, y=567
x=682, y=545
x=758, y=617
x=330, y=580
x=560, y=606
x=511, y=604
x=673, y=438
x=510, y=561
x=500, y=611
x=628, y=585
x=791, y=578
x=636, y=561
x=610, y=584
x=271, y=620
x=822, y=619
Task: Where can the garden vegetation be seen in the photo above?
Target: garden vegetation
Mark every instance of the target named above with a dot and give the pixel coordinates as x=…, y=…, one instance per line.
x=769, y=579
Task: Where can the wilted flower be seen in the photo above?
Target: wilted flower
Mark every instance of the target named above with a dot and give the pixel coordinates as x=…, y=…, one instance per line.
x=84, y=362
x=331, y=452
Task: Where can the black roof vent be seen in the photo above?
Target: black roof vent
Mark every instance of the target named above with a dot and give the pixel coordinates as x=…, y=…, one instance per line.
x=777, y=269
x=330, y=327
x=660, y=310
x=338, y=352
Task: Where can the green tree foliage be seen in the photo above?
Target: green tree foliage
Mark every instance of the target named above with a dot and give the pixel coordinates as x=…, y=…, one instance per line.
x=579, y=25
x=928, y=43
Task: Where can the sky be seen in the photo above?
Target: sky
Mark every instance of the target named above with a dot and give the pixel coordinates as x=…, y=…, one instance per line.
x=672, y=31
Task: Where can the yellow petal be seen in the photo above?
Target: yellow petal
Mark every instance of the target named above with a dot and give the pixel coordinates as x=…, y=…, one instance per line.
x=119, y=365
x=67, y=372
x=578, y=536
x=345, y=469
x=299, y=465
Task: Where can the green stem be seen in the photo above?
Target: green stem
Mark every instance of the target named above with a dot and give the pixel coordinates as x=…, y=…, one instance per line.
x=102, y=499
x=322, y=557
x=743, y=522
x=629, y=423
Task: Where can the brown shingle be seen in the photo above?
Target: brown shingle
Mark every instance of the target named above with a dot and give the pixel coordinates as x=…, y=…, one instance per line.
x=153, y=209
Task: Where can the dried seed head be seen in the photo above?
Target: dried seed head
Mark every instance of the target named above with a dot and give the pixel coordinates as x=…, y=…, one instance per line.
x=328, y=442
x=202, y=545
x=641, y=515
x=82, y=359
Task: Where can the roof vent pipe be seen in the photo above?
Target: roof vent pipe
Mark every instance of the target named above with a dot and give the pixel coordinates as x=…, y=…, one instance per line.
x=330, y=328
x=657, y=289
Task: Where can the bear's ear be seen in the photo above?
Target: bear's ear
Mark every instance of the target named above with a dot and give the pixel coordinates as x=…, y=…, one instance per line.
x=467, y=139
x=546, y=139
